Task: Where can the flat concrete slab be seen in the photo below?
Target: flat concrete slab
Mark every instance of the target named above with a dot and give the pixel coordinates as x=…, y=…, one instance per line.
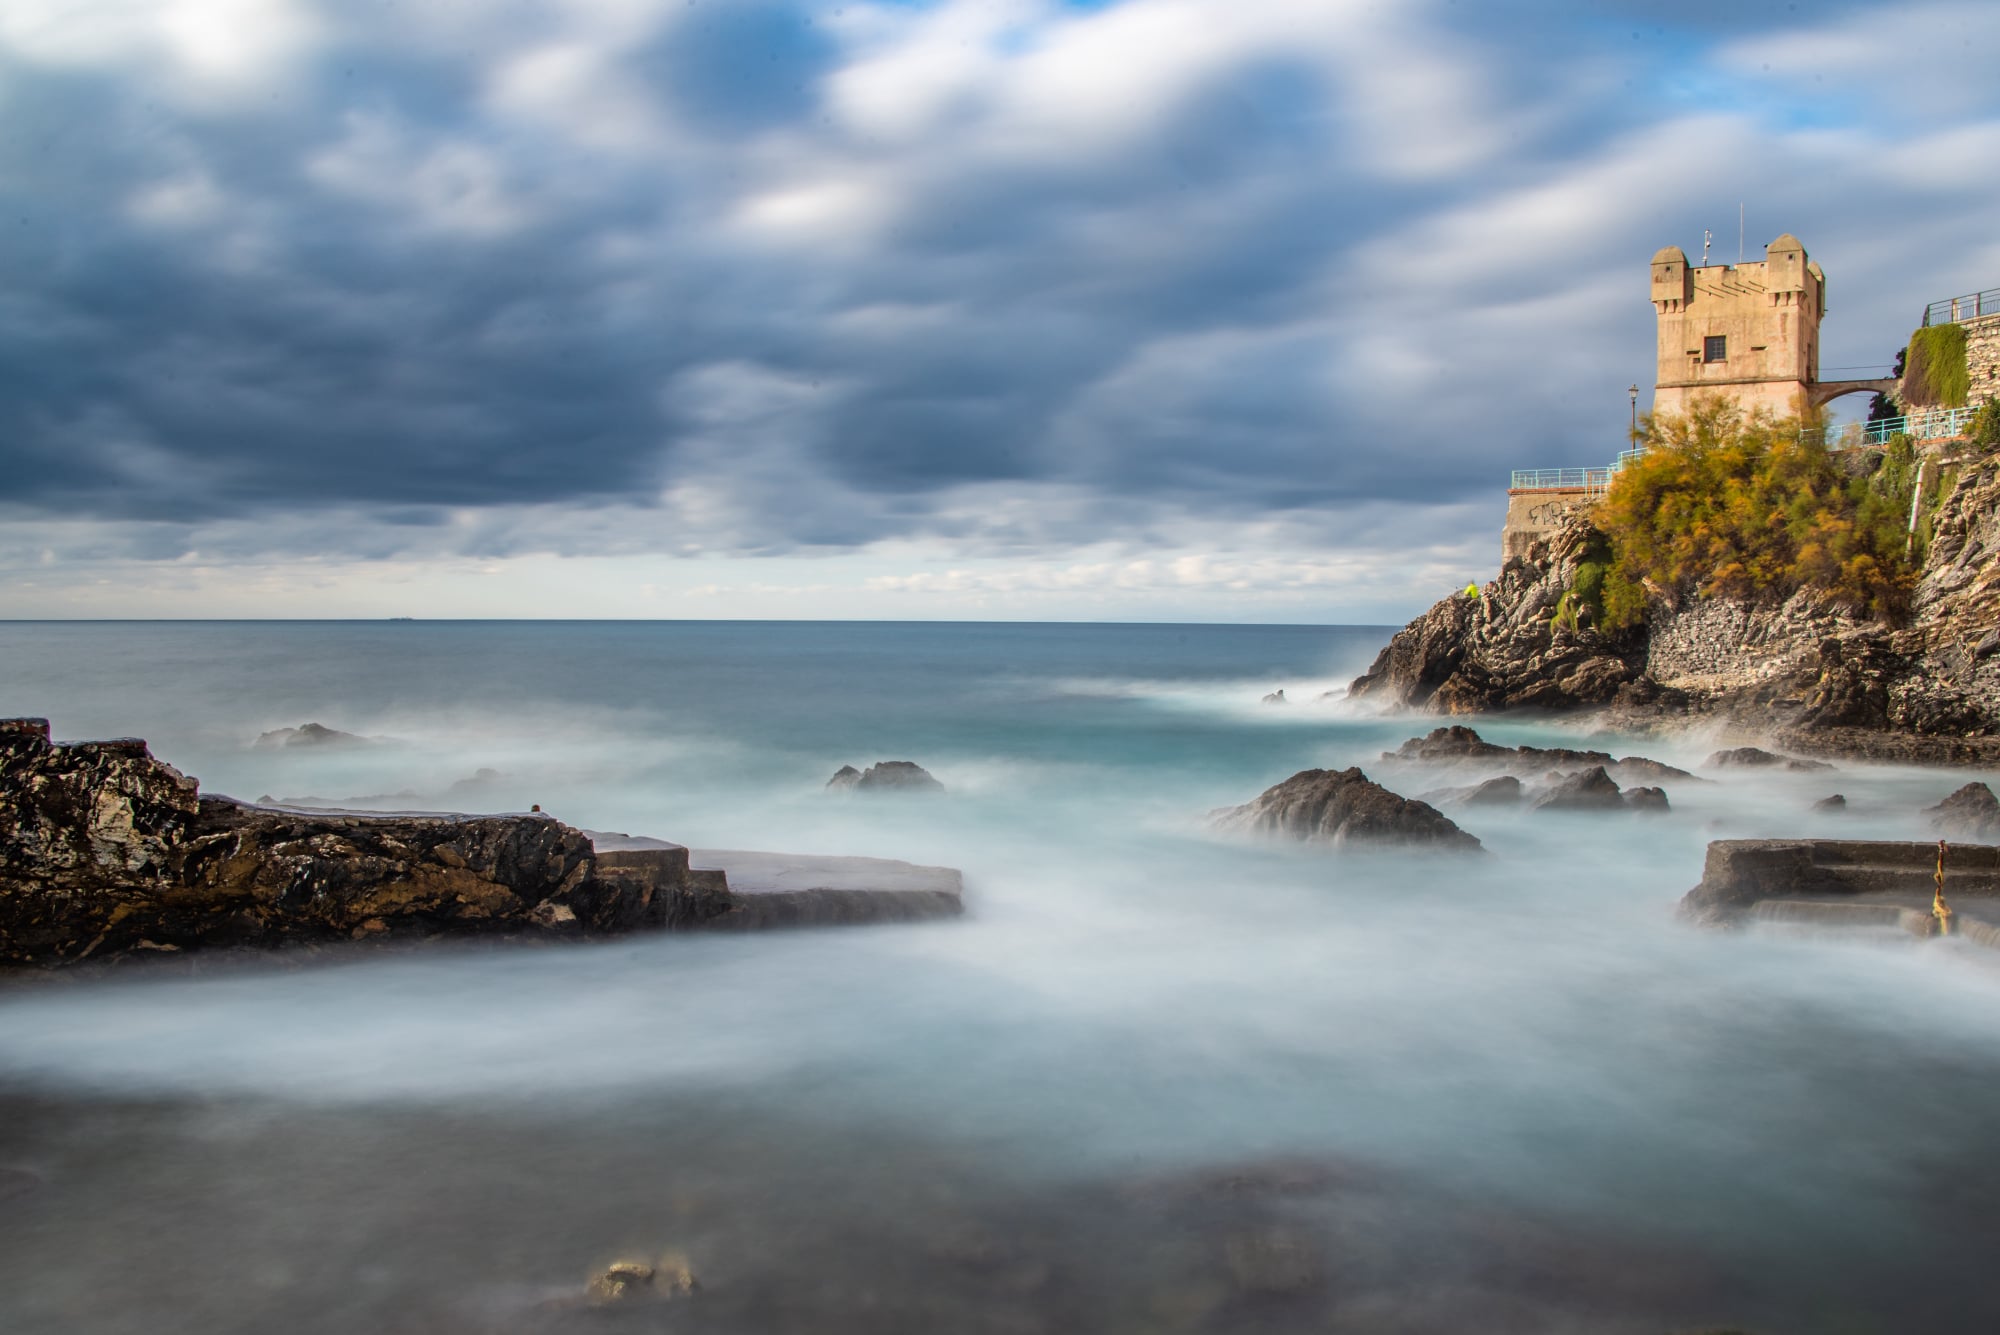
x=820, y=890
x=754, y=873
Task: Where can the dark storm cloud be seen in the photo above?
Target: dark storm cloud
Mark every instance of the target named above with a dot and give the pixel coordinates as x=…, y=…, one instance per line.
x=835, y=264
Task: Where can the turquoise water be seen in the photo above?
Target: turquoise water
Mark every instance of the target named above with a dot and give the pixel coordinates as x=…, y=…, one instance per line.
x=1523, y=1095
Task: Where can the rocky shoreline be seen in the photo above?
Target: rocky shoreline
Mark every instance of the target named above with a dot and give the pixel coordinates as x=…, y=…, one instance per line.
x=106, y=851
x=1805, y=674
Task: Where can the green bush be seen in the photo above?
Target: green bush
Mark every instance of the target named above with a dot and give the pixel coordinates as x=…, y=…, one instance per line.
x=1753, y=508
x=1985, y=428
x=1935, y=373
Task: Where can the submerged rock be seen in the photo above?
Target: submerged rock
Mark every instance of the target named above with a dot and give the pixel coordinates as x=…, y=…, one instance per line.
x=1751, y=757
x=1276, y=697
x=1831, y=805
x=309, y=734
x=1343, y=807
x=1457, y=744
x=1652, y=801
x=1503, y=791
x=889, y=776
x=1970, y=813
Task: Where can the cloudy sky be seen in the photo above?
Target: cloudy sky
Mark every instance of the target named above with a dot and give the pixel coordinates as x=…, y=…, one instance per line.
x=1138, y=309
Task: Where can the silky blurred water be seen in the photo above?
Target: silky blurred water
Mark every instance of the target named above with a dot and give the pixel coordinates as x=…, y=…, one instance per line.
x=1552, y=1105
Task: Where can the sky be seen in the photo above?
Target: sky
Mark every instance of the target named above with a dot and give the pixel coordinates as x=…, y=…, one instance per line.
x=1154, y=310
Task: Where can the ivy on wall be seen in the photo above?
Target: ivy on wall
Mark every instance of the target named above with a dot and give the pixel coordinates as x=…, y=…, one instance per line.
x=1935, y=373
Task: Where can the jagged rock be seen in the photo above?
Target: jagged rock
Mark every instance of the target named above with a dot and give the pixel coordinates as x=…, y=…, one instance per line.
x=890, y=776
x=1276, y=697
x=1970, y=813
x=1831, y=805
x=1650, y=800
x=1344, y=807
x=1751, y=757
x=1586, y=790
x=309, y=734
x=1503, y=649
x=1503, y=791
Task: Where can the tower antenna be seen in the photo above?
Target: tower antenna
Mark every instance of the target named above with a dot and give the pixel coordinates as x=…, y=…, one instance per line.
x=1739, y=233
x=1707, y=237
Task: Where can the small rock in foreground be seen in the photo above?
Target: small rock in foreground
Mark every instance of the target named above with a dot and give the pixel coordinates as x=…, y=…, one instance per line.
x=625, y=1282
x=1276, y=697
x=1970, y=813
x=1344, y=807
x=1832, y=805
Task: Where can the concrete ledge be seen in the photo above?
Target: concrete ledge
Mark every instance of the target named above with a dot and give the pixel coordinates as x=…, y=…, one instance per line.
x=1742, y=873
x=814, y=890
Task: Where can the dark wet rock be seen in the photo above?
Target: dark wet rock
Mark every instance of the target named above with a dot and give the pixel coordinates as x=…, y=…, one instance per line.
x=1989, y=645
x=1970, y=813
x=1343, y=808
x=1833, y=805
x=1742, y=873
x=105, y=851
x=890, y=776
x=1751, y=757
x=1505, y=790
x=309, y=734
x=1652, y=801
x=1276, y=697
x=1586, y=790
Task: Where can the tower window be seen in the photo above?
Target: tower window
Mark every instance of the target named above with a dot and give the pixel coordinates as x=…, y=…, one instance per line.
x=1715, y=348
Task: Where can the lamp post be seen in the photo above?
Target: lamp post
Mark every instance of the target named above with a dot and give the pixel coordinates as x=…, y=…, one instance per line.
x=1633, y=391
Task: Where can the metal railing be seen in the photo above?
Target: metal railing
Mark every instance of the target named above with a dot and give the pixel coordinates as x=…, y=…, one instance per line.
x=1593, y=480
x=1930, y=424
x=1968, y=307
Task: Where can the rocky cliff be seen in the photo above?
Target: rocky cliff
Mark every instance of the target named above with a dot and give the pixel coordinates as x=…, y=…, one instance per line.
x=1804, y=671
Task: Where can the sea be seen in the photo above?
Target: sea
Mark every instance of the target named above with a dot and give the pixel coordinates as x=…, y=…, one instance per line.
x=1155, y=1080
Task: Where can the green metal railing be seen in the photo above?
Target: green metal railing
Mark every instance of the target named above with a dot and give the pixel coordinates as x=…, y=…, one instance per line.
x=1931, y=424
x=1593, y=480
x=1968, y=307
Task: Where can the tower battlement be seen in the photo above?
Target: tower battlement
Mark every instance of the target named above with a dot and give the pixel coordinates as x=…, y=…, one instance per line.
x=1750, y=331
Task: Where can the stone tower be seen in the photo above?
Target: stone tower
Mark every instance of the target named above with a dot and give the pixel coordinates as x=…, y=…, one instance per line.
x=1749, y=331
